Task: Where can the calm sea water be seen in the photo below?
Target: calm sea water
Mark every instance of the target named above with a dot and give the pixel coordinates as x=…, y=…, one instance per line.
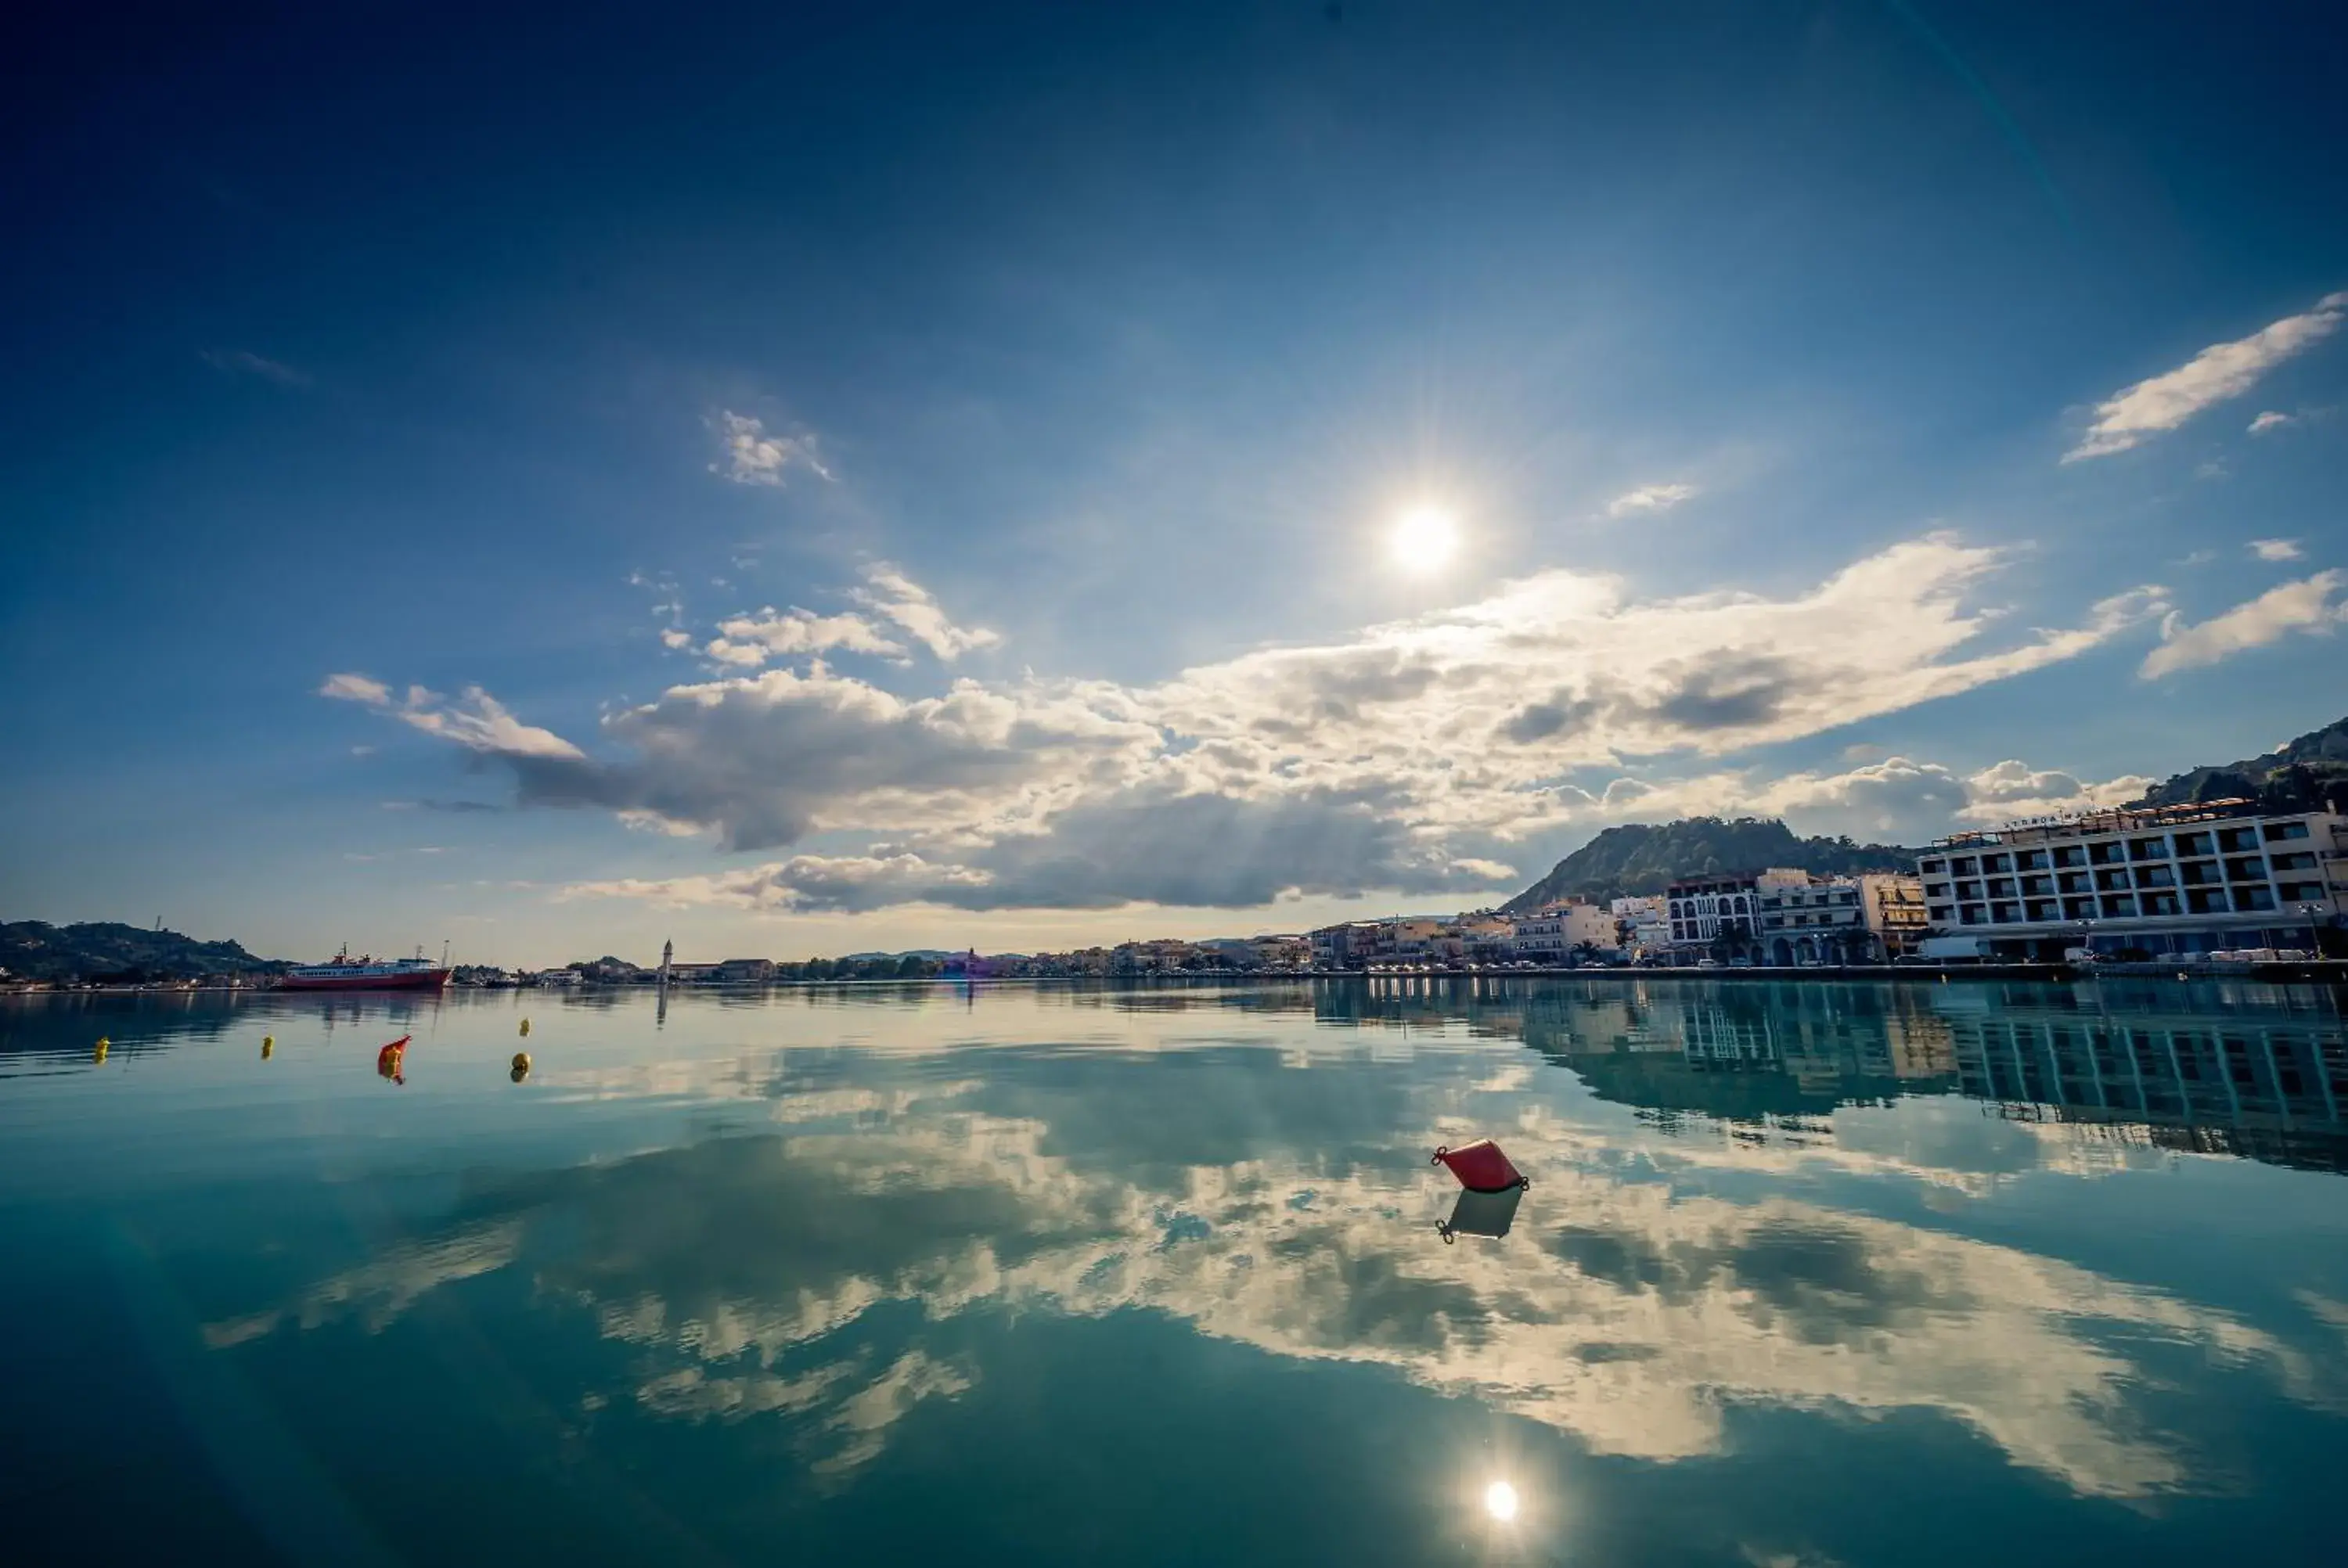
x=1807, y=1273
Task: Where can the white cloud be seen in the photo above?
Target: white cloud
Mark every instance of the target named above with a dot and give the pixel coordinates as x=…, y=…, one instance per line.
x=1415, y=756
x=675, y=638
x=2276, y=549
x=2306, y=605
x=1650, y=499
x=356, y=688
x=753, y=456
x=2012, y=789
x=2217, y=372
x=750, y=640
x=895, y=597
x=753, y=640
x=475, y=720
x=2270, y=420
x=239, y=361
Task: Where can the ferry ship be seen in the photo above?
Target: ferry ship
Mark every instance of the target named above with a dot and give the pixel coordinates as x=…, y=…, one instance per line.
x=344, y=973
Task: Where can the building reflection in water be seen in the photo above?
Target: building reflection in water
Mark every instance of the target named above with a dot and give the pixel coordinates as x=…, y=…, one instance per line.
x=2245, y=1083
x=2257, y=1071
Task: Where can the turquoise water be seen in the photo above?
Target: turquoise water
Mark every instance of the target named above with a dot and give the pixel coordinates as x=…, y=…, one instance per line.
x=1806, y=1275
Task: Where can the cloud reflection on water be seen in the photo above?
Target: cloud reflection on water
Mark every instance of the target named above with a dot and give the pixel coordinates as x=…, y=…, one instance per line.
x=1290, y=1211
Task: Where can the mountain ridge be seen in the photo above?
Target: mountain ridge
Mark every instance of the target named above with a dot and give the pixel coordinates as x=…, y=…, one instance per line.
x=1641, y=857
x=108, y=950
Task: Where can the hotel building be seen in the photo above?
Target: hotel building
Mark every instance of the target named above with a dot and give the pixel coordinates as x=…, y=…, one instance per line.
x=2154, y=883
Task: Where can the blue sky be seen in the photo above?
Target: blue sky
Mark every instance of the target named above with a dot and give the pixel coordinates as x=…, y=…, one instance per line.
x=804, y=483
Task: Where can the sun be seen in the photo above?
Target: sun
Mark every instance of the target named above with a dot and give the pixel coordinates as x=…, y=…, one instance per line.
x=1501, y=1501
x=1424, y=538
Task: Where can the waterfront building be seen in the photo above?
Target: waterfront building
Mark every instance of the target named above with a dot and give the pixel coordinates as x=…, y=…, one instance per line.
x=1279, y=952
x=2151, y=883
x=1817, y=920
x=1702, y=908
x=1893, y=905
x=1552, y=933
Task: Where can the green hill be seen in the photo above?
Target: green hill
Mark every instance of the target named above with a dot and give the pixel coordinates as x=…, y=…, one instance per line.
x=101, y=950
x=1642, y=858
x=2309, y=772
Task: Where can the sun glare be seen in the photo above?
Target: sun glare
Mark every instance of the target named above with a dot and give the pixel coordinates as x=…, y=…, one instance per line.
x=1425, y=539
x=1501, y=1501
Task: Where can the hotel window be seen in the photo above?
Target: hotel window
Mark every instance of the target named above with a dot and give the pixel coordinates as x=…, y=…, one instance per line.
x=2004, y=914
x=2246, y=870
x=2160, y=904
x=2104, y=852
x=2230, y=839
x=2302, y=893
x=1930, y=868
x=2001, y=886
x=2300, y=862
x=2119, y=907
x=2276, y=832
x=2206, y=900
x=2037, y=887
x=1997, y=862
x=2155, y=877
x=2148, y=849
x=2255, y=898
x=1970, y=915
x=2112, y=880
x=2078, y=909
x=2194, y=844
x=2040, y=909
x=1936, y=890
x=2031, y=860
x=1968, y=890
x=2070, y=854
x=1940, y=913
x=2198, y=873
x=2072, y=882
x=1964, y=866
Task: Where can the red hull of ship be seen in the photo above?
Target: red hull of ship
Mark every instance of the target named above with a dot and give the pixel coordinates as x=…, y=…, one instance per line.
x=421, y=980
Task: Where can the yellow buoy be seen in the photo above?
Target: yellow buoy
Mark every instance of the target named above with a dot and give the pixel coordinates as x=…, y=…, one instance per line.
x=268, y=1047
x=103, y=1044
x=525, y=1029
x=521, y=1061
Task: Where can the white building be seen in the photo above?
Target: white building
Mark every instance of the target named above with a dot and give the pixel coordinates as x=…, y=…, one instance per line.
x=1701, y=907
x=2156, y=883
x=1817, y=920
x=1552, y=933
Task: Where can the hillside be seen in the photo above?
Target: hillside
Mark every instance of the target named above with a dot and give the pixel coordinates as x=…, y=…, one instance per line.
x=1642, y=858
x=2309, y=772
x=35, y=950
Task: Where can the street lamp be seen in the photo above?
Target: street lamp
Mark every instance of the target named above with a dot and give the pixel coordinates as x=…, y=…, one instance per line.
x=2315, y=931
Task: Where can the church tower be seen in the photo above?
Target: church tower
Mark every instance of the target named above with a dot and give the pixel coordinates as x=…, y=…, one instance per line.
x=668, y=952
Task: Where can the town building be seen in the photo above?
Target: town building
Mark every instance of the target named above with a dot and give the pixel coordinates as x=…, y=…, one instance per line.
x=1893, y=903
x=1279, y=952
x=1555, y=932
x=1702, y=908
x=2149, y=883
x=1645, y=923
x=1815, y=920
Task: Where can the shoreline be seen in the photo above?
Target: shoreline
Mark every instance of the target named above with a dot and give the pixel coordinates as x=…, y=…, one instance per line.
x=2322, y=971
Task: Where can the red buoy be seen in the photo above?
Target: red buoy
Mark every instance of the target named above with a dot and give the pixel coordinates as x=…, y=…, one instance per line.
x=1482, y=1167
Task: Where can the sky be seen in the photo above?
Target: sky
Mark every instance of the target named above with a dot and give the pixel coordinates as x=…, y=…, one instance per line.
x=886, y=476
